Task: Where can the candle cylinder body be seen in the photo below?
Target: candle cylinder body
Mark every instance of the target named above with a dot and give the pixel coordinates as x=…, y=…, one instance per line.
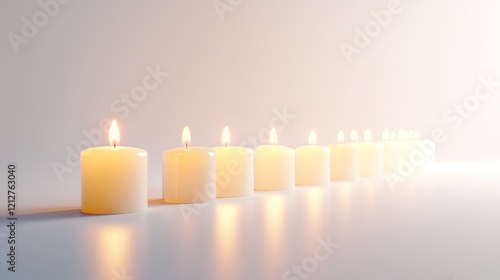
x=274, y=168
x=234, y=171
x=407, y=148
x=114, y=180
x=371, y=159
x=344, y=160
x=418, y=154
x=312, y=165
x=392, y=152
x=429, y=148
x=189, y=175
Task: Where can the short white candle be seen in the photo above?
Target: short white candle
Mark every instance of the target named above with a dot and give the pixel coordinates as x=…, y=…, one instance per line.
x=312, y=163
x=189, y=173
x=114, y=179
x=234, y=169
x=392, y=152
x=417, y=154
x=428, y=147
x=371, y=156
x=344, y=160
x=407, y=144
x=274, y=166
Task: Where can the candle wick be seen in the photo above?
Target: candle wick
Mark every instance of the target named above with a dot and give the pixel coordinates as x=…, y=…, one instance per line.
x=187, y=146
x=114, y=145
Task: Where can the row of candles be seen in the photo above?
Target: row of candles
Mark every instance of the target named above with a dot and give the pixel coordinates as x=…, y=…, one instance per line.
x=114, y=178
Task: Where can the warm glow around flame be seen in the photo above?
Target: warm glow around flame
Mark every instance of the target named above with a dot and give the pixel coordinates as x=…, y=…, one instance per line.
x=341, y=137
x=225, y=136
x=186, y=136
x=368, y=135
x=114, y=134
x=273, y=137
x=312, y=137
x=354, y=136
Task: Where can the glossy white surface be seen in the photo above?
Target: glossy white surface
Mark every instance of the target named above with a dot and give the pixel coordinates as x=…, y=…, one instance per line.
x=441, y=225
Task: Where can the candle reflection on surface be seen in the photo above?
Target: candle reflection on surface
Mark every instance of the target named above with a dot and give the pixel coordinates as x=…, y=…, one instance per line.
x=273, y=232
x=228, y=217
x=112, y=249
x=344, y=193
x=274, y=207
x=313, y=211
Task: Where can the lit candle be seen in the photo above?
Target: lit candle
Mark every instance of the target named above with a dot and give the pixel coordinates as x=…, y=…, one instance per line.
x=344, y=160
x=114, y=178
x=189, y=173
x=234, y=169
x=274, y=166
x=371, y=156
x=312, y=163
x=392, y=152
x=429, y=149
x=417, y=153
x=408, y=146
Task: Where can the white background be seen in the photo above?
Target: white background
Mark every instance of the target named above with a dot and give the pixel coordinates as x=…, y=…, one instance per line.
x=243, y=68
x=261, y=57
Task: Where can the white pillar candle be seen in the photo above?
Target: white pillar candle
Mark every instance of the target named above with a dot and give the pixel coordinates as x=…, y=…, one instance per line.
x=407, y=144
x=274, y=166
x=312, y=163
x=234, y=169
x=429, y=148
x=189, y=173
x=344, y=160
x=418, y=154
x=114, y=178
x=371, y=156
x=392, y=152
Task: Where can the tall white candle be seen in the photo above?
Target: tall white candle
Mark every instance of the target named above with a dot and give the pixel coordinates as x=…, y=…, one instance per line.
x=274, y=166
x=344, y=160
x=189, y=173
x=114, y=178
x=234, y=169
x=312, y=163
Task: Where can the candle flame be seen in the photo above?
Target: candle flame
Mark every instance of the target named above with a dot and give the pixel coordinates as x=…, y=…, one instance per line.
x=368, y=135
x=354, y=136
x=114, y=134
x=273, y=137
x=225, y=136
x=312, y=137
x=386, y=134
x=186, y=136
x=341, y=136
